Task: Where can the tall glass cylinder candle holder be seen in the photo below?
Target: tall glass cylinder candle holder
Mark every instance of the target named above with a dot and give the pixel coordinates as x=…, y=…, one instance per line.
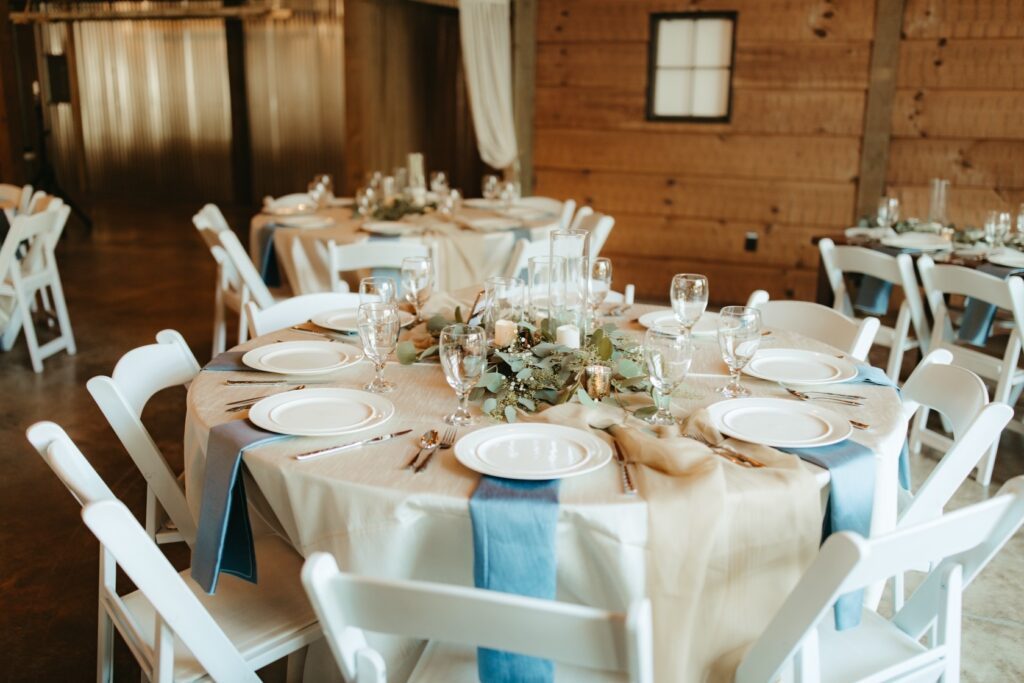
x=503, y=301
x=546, y=291
x=574, y=247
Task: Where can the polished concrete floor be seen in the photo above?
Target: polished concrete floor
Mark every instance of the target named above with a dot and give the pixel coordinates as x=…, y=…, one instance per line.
x=141, y=271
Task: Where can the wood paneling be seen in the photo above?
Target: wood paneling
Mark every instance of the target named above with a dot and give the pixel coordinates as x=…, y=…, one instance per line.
x=964, y=162
x=935, y=113
x=964, y=64
x=964, y=19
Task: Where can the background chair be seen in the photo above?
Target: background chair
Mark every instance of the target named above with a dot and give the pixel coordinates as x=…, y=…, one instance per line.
x=821, y=323
x=568, y=209
x=175, y=631
x=229, y=291
x=138, y=375
x=522, y=252
x=599, y=226
x=343, y=258
x=298, y=309
x=20, y=197
x=896, y=270
x=253, y=287
x=584, y=641
x=943, y=280
x=802, y=634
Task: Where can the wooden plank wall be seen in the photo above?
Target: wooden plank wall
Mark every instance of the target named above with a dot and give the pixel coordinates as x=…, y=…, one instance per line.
x=959, y=107
x=684, y=195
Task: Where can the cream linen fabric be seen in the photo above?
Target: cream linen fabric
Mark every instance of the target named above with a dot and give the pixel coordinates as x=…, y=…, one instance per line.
x=379, y=519
x=486, y=31
x=463, y=256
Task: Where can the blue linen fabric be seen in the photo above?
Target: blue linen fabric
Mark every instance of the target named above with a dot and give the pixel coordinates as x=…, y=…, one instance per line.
x=978, y=315
x=514, y=552
x=873, y=294
x=868, y=374
x=851, y=498
x=269, y=270
x=224, y=541
x=228, y=361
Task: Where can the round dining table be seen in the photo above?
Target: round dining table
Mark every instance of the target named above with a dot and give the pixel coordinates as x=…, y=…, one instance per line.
x=471, y=245
x=378, y=518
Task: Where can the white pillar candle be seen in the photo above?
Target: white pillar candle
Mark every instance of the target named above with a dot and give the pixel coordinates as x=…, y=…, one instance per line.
x=628, y=295
x=568, y=335
x=504, y=333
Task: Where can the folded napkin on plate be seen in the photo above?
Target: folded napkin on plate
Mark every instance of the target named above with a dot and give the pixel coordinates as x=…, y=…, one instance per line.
x=224, y=536
x=978, y=315
x=227, y=361
x=514, y=552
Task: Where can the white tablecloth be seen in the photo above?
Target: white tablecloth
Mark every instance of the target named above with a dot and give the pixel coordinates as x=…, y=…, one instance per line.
x=463, y=257
x=379, y=519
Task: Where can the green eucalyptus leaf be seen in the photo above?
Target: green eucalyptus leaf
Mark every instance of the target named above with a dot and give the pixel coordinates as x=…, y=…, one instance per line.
x=583, y=397
x=458, y=315
x=628, y=368
x=524, y=374
x=546, y=395
x=645, y=412
x=510, y=414
x=489, y=405
x=544, y=349
x=406, y=352
x=436, y=324
x=477, y=393
x=492, y=380
x=605, y=348
x=429, y=351
x=527, y=403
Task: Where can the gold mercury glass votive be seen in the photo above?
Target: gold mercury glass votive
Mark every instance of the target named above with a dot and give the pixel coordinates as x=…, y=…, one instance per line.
x=598, y=381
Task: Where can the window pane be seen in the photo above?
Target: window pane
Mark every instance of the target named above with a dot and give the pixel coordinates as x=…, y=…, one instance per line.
x=714, y=42
x=710, y=92
x=675, y=42
x=672, y=92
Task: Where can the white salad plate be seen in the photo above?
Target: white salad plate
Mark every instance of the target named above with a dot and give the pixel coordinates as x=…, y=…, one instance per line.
x=302, y=357
x=798, y=366
x=345, y=320
x=532, y=451
x=307, y=222
x=707, y=326
x=289, y=205
x=922, y=241
x=392, y=228
x=779, y=422
x=321, y=412
x=1010, y=258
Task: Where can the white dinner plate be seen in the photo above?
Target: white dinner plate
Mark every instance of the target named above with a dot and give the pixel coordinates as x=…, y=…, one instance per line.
x=532, y=451
x=307, y=222
x=345, y=320
x=797, y=366
x=391, y=228
x=922, y=241
x=779, y=422
x=321, y=412
x=1010, y=258
x=480, y=203
x=707, y=326
x=289, y=205
x=302, y=357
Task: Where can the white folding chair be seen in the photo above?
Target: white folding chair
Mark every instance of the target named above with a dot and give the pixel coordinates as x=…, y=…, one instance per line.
x=582, y=213
x=599, y=226
x=343, y=258
x=19, y=197
x=588, y=644
x=137, y=377
x=522, y=252
x=568, y=210
x=821, y=323
x=36, y=273
x=943, y=280
x=897, y=270
x=546, y=205
x=175, y=631
x=253, y=287
x=298, y=309
x=802, y=641
x=229, y=290
x=757, y=298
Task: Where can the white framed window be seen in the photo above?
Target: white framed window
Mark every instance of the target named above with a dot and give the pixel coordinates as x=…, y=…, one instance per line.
x=689, y=75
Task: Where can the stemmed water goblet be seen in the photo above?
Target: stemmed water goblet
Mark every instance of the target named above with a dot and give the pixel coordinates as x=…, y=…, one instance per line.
x=888, y=212
x=739, y=335
x=490, y=187
x=689, y=295
x=668, y=353
x=463, y=352
x=997, y=227
x=417, y=278
x=378, y=325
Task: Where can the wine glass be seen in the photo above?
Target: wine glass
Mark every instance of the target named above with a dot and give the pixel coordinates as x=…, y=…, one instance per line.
x=439, y=182
x=600, y=284
x=888, y=212
x=689, y=294
x=417, y=276
x=510, y=193
x=377, y=289
x=378, y=325
x=997, y=227
x=739, y=334
x=463, y=351
x=1020, y=219
x=668, y=353
x=366, y=200
x=490, y=186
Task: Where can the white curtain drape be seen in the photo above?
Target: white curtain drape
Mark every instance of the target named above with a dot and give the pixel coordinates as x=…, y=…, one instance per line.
x=485, y=28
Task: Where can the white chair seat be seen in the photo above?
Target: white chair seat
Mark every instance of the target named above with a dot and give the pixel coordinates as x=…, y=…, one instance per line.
x=874, y=651
x=261, y=619
x=456, y=663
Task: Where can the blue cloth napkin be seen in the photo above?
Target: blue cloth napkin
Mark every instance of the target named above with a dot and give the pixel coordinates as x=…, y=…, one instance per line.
x=851, y=497
x=868, y=374
x=226, y=362
x=514, y=552
x=224, y=541
x=978, y=315
x=393, y=273
x=268, y=255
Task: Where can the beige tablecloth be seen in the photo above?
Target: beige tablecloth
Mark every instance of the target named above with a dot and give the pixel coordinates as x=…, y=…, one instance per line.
x=379, y=519
x=463, y=256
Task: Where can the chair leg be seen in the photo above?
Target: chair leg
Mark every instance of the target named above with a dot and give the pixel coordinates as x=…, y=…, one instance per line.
x=13, y=328
x=920, y=423
x=63, y=319
x=104, y=648
x=220, y=329
x=987, y=465
x=295, y=665
x=30, y=336
x=898, y=592
x=152, y=524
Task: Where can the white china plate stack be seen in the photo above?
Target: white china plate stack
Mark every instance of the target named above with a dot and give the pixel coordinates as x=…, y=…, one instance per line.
x=1010, y=258
x=345, y=320
x=307, y=222
x=302, y=357
x=922, y=241
x=780, y=423
x=797, y=366
x=321, y=412
x=707, y=326
x=532, y=451
x=392, y=228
